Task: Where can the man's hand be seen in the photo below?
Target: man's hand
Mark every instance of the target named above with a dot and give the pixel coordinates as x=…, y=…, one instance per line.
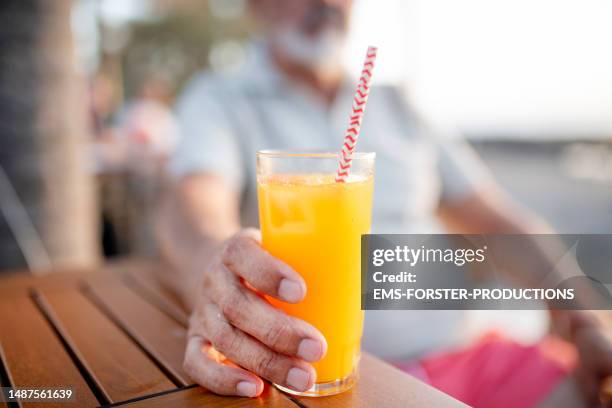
x=591, y=333
x=232, y=316
x=594, y=346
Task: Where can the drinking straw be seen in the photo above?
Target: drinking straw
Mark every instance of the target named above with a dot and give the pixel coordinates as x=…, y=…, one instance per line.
x=358, y=108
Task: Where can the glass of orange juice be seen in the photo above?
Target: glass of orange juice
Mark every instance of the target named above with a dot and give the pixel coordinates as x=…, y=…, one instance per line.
x=315, y=224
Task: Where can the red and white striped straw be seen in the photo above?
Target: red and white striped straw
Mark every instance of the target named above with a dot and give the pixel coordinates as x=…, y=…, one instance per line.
x=358, y=108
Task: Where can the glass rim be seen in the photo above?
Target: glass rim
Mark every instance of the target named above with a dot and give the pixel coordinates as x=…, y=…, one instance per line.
x=311, y=154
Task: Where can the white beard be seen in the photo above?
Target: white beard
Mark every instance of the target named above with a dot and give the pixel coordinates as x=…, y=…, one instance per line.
x=321, y=51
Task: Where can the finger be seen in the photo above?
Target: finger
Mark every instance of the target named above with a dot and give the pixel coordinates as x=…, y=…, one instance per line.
x=244, y=256
x=218, y=378
x=249, y=353
x=277, y=330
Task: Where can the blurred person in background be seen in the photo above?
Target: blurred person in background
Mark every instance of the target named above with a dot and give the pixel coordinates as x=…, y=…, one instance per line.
x=105, y=156
x=147, y=132
x=147, y=127
x=141, y=136
x=130, y=152
x=292, y=93
x=106, y=153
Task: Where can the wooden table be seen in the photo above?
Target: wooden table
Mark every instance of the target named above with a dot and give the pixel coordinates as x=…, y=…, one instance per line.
x=116, y=337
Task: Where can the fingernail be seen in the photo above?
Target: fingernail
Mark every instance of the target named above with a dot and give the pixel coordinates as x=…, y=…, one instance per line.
x=290, y=291
x=246, y=389
x=298, y=379
x=310, y=350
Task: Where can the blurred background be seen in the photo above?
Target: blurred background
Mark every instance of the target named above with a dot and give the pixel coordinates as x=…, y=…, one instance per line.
x=87, y=90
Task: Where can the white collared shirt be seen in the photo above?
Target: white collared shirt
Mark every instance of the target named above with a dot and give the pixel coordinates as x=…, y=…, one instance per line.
x=224, y=118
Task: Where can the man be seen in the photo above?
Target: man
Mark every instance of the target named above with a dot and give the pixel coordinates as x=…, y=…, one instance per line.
x=293, y=94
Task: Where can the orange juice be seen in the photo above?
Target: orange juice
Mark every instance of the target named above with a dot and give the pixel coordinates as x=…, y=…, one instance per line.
x=315, y=224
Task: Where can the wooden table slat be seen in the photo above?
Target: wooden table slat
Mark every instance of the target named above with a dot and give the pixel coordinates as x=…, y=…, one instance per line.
x=162, y=336
x=22, y=285
x=198, y=397
x=146, y=283
x=120, y=368
x=34, y=356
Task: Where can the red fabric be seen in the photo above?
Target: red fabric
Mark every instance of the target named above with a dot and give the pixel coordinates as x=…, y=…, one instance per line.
x=497, y=372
